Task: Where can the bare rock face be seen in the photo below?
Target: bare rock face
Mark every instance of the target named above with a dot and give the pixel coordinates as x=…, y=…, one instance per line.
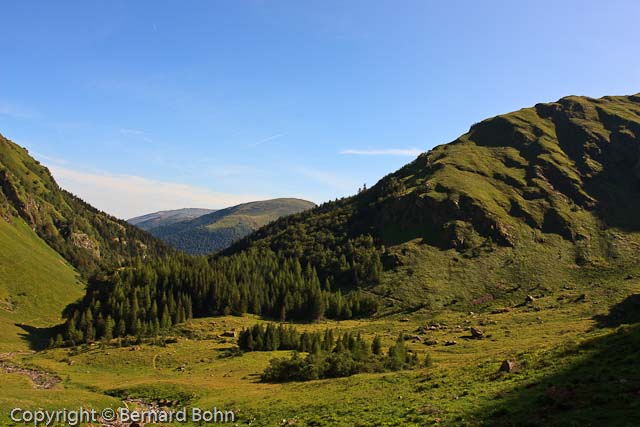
x=82, y=240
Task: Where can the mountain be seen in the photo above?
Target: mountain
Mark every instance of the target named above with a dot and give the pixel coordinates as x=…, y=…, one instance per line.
x=527, y=197
x=217, y=230
x=164, y=218
x=36, y=283
x=49, y=240
x=527, y=203
x=86, y=237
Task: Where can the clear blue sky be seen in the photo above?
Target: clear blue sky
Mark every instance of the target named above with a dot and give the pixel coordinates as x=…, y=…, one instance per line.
x=138, y=106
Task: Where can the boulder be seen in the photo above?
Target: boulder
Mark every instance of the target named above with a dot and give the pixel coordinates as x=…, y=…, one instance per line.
x=508, y=366
x=476, y=333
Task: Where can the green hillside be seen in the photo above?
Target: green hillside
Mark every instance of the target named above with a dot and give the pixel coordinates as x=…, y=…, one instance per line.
x=217, y=230
x=523, y=201
x=523, y=204
x=36, y=283
x=516, y=245
x=84, y=236
x=164, y=218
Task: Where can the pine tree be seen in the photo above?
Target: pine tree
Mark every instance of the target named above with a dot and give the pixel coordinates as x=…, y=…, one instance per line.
x=376, y=346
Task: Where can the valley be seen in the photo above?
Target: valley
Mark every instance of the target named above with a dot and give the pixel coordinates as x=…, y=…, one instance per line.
x=506, y=259
x=561, y=352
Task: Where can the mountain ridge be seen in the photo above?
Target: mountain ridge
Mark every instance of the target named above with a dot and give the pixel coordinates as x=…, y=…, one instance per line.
x=85, y=236
x=167, y=217
x=216, y=230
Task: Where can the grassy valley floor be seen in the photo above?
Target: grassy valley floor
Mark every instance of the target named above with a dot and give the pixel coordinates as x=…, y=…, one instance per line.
x=565, y=375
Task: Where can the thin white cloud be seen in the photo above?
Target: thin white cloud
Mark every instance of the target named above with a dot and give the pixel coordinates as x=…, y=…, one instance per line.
x=135, y=134
x=328, y=178
x=405, y=152
x=270, y=138
x=16, y=112
x=126, y=196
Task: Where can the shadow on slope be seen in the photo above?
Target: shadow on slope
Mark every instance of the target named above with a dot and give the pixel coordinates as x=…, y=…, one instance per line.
x=38, y=338
x=625, y=312
x=595, y=383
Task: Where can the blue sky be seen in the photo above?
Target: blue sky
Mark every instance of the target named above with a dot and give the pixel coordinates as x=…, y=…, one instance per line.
x=148, y=105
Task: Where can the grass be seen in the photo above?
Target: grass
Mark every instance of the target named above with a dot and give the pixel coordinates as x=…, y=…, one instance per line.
x=573, y=367
x=35, y=284
x=554, y=340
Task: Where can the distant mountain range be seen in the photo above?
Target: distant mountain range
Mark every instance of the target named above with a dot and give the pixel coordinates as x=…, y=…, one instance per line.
x=164, y=218
x=204, y=231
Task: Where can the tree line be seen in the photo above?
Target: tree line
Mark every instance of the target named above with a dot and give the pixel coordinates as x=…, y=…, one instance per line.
x=150, y=296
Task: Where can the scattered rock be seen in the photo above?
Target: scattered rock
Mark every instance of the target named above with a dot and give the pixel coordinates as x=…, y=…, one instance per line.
x=581, y=298
x=501, y=310
x=529, y=298
x=508, y=366
x=41, y=380
x=430, y=342
x=404, y=319
x=629, y=277
x=448, y=343
x=477, y=333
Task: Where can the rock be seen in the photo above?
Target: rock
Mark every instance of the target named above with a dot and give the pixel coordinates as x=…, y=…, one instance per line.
x=430, y=342
x=448, y=343
x=508, y=366
x=476, y=333
x=529, y=298
x=231, y=334
x=629, y=277
x=416, y=338
x=404, y=319
x=501, y=310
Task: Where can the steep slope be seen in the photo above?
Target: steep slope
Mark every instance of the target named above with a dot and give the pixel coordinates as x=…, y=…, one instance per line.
x=164, y=218
x=35, y=284
x=523, y=205
x=217, y=230
x=553, y=186
x=84, y=236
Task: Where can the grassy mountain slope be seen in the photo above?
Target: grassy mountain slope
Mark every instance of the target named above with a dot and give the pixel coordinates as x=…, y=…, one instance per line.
x=35, y=284
x=540, y=202
x=520, y=202
x=84, y=236
x=164, y=218
x=217, y=230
